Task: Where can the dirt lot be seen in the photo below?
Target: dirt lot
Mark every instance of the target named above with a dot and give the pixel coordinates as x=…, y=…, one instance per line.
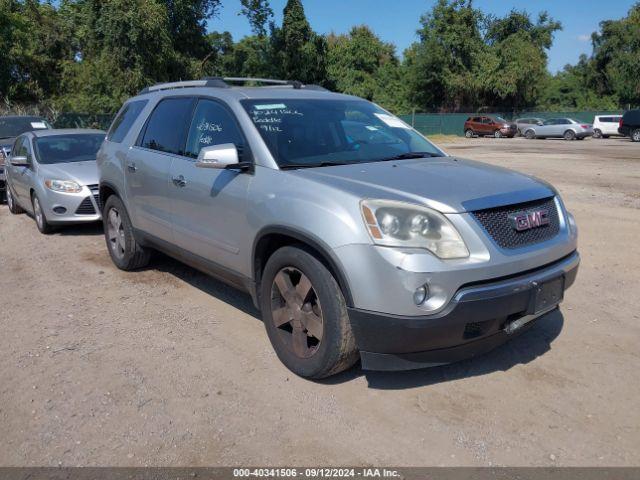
x=168, y=367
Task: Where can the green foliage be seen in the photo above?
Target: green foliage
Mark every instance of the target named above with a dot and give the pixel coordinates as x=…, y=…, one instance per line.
x=90, y=55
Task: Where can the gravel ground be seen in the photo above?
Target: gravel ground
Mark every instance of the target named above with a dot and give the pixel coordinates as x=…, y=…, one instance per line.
x=168, y=367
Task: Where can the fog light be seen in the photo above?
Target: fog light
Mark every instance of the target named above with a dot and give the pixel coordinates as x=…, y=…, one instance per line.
x=420, y=295
x=60, y=210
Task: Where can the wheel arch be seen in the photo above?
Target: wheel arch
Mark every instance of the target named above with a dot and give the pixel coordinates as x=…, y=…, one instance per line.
x=106, y=190
x=271, y=238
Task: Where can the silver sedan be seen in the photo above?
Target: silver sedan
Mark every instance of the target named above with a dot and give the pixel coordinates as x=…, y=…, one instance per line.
x=52, y=174
x=566, y=128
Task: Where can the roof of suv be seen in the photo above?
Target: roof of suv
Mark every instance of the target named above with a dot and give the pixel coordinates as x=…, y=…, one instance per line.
x=274, y=89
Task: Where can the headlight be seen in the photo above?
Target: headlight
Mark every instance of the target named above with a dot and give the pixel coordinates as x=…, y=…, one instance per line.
x=399, y=224
x=66, y=186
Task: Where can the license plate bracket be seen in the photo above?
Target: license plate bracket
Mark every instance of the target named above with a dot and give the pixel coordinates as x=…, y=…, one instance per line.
x=546, y=295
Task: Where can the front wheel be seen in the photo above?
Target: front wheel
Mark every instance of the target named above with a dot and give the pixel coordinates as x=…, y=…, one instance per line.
x=468, y=133
x=41, y=220
x=125, y=251
x=635, y=135
x=569, y=135
x=305, y=315
x=597, y=133
x=497, y=134
x=14, y=208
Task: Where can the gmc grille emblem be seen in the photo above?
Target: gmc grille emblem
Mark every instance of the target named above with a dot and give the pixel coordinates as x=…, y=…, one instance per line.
x=527, y=220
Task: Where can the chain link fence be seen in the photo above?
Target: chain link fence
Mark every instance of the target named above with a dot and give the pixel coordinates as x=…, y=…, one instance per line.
x=453, y=123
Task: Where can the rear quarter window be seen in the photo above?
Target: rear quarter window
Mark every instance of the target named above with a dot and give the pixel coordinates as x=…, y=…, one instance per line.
x=124, y=120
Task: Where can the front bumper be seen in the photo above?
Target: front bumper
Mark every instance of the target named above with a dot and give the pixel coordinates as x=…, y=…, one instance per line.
x=70, y=208
x=478, y=319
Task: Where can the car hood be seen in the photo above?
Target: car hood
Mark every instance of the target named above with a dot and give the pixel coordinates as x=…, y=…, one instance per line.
x=448, y=184
x=84, y=173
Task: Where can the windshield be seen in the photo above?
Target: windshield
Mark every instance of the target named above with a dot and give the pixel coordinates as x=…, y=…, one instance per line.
x=311, y=133
x=68, y=148
x=13, y=126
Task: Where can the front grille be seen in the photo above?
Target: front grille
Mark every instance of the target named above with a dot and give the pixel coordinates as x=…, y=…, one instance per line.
x=86, y=207
x=496, y=222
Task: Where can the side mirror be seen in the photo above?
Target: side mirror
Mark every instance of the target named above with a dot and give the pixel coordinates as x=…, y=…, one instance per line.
x=218, y=156
x=20, y=161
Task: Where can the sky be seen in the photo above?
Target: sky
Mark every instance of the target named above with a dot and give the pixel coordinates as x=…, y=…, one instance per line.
x=396, y=21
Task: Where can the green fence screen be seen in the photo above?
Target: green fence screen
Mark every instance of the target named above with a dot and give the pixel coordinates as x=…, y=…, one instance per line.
x=453, y=123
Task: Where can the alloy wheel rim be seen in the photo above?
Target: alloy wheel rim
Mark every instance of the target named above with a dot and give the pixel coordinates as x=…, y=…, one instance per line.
x=296, y=312
x=636, y=135
x=37, y=211
x=115, y=233
x=9, y=199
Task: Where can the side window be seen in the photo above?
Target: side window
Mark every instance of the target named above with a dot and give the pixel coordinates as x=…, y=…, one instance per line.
x=20, y=148
x=123, y=122
x=486, y=120
x=167, y=125
x=212, y=124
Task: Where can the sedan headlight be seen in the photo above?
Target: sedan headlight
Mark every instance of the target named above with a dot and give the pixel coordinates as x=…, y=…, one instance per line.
x=65, y=186
x=399, y=224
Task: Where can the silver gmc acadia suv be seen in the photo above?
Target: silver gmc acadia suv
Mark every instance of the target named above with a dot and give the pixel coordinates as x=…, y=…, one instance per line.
x=355, y=236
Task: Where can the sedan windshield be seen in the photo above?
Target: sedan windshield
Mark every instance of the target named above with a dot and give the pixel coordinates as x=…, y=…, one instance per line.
x=313, y=133
x=13, y=126
x=68, y=148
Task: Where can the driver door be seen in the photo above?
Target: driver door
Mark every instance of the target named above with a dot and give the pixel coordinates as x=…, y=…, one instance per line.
x=209, y=206
x=21, y=177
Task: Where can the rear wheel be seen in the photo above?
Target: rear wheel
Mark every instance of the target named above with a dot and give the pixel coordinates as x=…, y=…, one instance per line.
x=497, y=134
x=305, y=315
x=468, y=133
x=597, y=133
x=569, y=135
x=11, y=203
x=41, y=220
x=123, y=248
x=529, y=134
x=635, y=135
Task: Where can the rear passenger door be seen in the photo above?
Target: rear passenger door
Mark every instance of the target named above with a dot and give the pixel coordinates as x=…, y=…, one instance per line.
x=210, y=205
x=148, y=163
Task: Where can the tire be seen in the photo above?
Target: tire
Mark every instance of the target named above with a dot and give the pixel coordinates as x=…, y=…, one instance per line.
x=497, y=134
x=469, y=133
x=597, y=133
x=126, y=253
x=569, y=135
x=41, y=219
x=529, y=134
x=635, y=135
x=14, y=208
x=294, y=324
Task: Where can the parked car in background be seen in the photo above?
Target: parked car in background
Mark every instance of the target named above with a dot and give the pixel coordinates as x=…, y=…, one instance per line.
x=10, y=128
x=354, y=235
x=52, y=174
x=484, y=125
x=630, y=125
x=606, y=125
x=523, y=123
x=566, y=128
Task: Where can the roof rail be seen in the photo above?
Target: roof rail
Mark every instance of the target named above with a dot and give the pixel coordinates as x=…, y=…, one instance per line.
x=223, y=82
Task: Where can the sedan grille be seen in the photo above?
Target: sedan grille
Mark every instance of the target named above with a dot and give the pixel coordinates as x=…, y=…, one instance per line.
x=500, y=227
x=86, y=207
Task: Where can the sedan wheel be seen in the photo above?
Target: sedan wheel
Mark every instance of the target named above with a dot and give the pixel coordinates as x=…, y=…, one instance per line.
x=296, y=312
x=38, y=214
x=115, y=234
x=569, y=135
x=529, y=135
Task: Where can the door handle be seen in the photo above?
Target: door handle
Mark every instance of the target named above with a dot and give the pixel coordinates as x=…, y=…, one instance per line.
x=179, y=181
x=131, y=166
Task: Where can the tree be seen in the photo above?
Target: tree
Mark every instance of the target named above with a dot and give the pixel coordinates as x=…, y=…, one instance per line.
x=258, y=12
x=617, y=57
x=361, y=64
x=297, y=51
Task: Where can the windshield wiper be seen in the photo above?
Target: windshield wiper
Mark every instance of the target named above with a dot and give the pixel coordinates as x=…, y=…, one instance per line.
x=409, y=156
x=293, y=166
